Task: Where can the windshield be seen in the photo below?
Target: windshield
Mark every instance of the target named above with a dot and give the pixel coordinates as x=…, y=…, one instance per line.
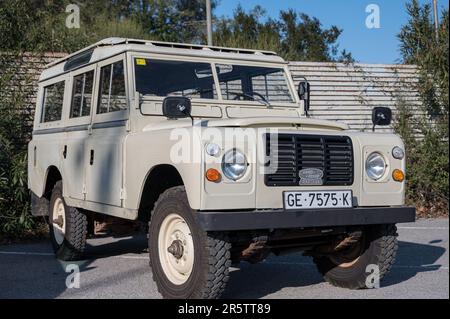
x=241, y=82
x=195, y=80
x=174, y=78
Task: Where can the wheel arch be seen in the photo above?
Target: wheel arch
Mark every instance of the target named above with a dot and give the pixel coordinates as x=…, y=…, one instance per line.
x=52, y=175
x=157, y=180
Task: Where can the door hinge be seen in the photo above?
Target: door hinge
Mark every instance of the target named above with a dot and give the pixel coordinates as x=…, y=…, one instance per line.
x=83, y=191
x=123, y=194
x=128, y=125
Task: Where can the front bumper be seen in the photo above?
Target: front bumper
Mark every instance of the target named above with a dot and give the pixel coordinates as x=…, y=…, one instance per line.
x=279, y=219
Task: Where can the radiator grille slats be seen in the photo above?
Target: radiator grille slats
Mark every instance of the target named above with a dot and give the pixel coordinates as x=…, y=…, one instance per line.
x=292, y=152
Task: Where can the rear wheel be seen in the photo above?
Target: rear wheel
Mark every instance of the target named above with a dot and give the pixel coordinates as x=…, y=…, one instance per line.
x=186, y=261
x=374, y=253
x=68, y=227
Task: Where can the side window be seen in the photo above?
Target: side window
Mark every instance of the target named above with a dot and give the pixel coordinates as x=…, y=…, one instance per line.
x=53, y=102
x=112, y=95
x=82, y=95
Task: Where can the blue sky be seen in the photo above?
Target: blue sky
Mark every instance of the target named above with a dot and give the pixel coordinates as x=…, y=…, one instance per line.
x=366, y=45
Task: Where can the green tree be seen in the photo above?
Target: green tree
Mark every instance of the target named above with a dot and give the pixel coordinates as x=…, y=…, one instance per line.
x=295, y=36
x=176, y=20
x=39, y=25
x=244, y=30
x=428, y=156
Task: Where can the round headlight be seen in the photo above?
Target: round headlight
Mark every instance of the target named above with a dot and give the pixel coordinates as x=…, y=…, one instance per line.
x=398, y=152
x=234, y=164
x=375, y=166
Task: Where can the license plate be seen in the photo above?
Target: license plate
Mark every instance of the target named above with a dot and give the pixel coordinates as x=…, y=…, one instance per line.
x=330, y=199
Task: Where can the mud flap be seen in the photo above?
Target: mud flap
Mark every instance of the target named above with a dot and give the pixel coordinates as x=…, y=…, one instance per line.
x=39, y=206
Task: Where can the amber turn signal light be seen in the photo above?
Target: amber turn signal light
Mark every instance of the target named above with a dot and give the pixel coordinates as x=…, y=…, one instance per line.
x=213, y=175
x=398, y=175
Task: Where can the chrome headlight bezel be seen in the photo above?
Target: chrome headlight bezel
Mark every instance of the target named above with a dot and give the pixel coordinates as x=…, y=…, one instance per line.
x=375, y=166
x=234, y=164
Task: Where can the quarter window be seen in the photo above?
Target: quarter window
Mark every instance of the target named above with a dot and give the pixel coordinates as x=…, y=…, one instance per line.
x=112, y=95
x=82, y=94
x=53, y=102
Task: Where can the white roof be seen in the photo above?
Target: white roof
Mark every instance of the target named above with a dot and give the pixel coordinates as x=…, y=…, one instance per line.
x=112, y=46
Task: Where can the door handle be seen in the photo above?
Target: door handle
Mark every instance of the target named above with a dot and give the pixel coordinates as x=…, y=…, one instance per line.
x=65, y=151
x=91, y=160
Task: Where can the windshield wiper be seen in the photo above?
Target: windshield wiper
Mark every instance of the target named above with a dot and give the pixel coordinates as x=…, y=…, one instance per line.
x=250, y=95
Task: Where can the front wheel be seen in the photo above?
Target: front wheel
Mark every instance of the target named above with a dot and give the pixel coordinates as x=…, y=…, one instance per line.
x=186, y=261
x=373, y=254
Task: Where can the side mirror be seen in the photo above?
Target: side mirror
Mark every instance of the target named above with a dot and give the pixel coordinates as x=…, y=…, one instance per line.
x=381, y=116
x=304, y=90
x=175, y=107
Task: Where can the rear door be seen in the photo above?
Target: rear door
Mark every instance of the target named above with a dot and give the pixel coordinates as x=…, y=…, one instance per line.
x=104, y=147
x=81, y=86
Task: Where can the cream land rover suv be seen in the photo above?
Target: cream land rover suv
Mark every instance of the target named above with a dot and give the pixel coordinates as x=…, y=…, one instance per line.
x=214, y=148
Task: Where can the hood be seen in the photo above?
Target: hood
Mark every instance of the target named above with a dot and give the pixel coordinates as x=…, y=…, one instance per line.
x=285, y=122
x=302, y=122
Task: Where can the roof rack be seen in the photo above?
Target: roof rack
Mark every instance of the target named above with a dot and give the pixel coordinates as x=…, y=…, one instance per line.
x=205, y=47
x=117, y=41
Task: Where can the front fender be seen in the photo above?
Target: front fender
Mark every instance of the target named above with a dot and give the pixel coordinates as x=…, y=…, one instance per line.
x=145, y=150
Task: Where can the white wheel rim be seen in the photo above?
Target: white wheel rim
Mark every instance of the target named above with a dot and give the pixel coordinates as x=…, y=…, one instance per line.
x=175, y=232
x=59, y=221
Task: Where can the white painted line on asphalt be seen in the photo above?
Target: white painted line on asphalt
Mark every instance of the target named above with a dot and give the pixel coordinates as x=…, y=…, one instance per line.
x=394, y=266
x=422, y=228
x=25, y=253
x=131, y=257
x=265, y=262
x=29, y=253
x=423, y=267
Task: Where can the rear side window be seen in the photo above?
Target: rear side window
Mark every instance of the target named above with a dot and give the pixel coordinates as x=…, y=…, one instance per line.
x=82, y=94
x=53, y=102
x=112, y=95
x=174, y=78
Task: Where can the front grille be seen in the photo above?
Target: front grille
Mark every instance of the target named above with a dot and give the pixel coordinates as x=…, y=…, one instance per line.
x=294, y=152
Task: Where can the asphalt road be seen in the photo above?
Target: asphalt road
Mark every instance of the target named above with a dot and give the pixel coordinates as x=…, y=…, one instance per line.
x=118, y=268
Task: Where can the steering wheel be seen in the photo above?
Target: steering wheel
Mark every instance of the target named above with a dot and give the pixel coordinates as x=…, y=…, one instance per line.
x=260, y=95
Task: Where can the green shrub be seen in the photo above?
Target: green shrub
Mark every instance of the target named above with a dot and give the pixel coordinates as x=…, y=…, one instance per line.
x=15, y=217
x=427, y=155
x=426, y=161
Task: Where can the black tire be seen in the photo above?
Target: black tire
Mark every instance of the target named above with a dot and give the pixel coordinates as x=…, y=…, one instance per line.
x=210, y=271
x=379, y=247
x=74, y=242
